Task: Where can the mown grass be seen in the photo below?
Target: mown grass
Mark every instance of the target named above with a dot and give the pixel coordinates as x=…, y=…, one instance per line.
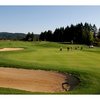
x=46, y=56
x=13, y=91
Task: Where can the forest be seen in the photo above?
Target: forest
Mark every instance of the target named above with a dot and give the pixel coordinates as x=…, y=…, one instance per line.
x=78, y=34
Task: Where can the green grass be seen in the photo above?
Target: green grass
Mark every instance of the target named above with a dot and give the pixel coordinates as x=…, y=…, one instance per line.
x=13, y=91
x=84, y=64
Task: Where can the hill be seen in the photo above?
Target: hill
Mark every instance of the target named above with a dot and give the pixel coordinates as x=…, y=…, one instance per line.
x=11, y=36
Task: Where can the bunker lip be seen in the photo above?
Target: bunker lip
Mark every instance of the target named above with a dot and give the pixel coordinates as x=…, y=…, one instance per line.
x=10, y=49
x=71, y=82
x=36, y=80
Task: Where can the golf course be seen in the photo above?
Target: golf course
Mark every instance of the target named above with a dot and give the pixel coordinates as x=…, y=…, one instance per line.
x=83, y=64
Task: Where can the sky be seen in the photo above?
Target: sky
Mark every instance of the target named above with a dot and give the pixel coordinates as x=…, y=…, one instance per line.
x=38, y=19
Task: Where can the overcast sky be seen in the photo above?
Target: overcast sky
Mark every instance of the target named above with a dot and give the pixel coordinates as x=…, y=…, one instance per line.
x=40, y=18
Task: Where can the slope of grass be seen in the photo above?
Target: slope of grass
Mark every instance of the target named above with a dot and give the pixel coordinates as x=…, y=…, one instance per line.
x=46, y=56
x=13, y=91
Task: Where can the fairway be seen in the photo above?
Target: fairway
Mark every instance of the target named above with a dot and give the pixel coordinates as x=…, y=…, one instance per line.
x=83, y=64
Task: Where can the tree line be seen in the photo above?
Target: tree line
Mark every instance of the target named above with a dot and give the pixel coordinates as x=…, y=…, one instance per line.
x=79, y=33
x=31, y=37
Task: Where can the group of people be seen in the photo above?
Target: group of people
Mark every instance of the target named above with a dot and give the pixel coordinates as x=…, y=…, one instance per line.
x=71, y=48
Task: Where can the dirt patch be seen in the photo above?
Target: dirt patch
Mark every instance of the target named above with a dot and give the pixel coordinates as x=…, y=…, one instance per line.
x=10, y=49
x=32, y=80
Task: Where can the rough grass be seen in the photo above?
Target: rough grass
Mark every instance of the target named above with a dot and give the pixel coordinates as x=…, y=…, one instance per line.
x=46, y=56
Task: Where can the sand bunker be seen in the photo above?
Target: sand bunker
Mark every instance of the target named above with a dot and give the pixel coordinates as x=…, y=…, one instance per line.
x=10, y=49
x=32, y=80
